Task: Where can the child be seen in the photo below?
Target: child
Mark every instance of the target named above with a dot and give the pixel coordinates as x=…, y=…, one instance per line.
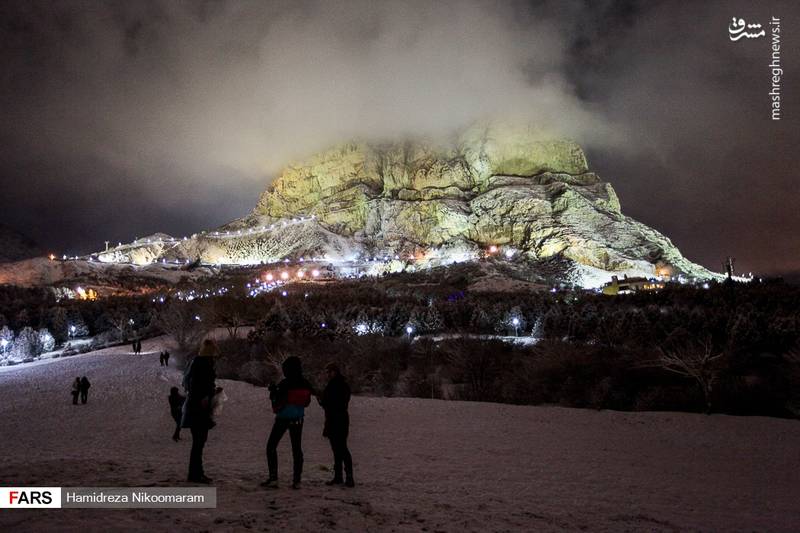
x=216, y=404
x=176, y=400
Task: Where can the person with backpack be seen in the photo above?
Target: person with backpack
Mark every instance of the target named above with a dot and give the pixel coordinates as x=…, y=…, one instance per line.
x=200, y=387
x=176, y=400
x=84, y=388
x=334, y=400
x=289, y=399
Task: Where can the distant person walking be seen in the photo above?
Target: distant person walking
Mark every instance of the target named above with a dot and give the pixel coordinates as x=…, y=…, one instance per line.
x=176, y=400
x=137, y=347
x=161, y=358
x=289, y=399
x=335, y=400
x=84, y=388
x=200, y=387
x=166, y=358
x=76, y=390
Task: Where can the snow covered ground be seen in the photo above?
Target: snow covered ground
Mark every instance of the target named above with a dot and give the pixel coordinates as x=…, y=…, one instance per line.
x=421, y=465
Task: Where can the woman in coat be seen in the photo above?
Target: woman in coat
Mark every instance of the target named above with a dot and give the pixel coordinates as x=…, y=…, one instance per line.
x=199, y=385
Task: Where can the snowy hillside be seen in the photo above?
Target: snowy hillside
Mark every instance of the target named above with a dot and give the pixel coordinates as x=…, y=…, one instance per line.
x=421, y=465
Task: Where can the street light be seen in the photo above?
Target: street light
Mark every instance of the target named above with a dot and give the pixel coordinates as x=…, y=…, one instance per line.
x=515, y=321
x=409, y=330
x=72, y=331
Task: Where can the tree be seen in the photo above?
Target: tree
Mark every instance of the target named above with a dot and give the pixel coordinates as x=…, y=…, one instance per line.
x=26, y=346
x=184, y=323
x=6, y=340
x=228, y=312
x=698, y=362
x=59, y=324
x=47, y=342
x=432, y=320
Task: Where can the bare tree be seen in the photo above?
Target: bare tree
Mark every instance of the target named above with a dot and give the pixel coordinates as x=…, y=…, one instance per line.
x=698, y=362
x=228, y=313
x=184, y=323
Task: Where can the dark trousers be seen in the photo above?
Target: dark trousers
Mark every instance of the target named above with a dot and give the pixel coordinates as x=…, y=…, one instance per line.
x=295, y=428
x=199, y=437
x=341, y=454
x=177, y=418
x=75, y=397
x=84, y=396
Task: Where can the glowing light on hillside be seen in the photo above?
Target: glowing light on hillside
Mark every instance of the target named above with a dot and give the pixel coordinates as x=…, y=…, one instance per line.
x=284, y=275
x=409, y=330
x=315, y=273
x=270, y=277
x=300, y=274
x=510, y=253
x=493, y=249
x=52, y=257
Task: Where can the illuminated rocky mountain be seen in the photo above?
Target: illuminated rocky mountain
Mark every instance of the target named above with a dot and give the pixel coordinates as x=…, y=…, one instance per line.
x=501, y=190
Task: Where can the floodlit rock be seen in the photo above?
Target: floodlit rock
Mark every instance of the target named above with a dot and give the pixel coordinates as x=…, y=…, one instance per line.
x=492, y=185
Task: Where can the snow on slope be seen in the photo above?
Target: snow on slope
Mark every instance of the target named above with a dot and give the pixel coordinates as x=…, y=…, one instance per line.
x=421, y=465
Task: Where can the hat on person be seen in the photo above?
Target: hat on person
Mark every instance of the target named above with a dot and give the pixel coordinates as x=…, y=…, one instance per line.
x=208, y=349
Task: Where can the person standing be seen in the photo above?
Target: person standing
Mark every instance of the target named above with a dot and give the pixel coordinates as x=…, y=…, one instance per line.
x=335, y=400
x=84, y=388
x=138, y=347
x=76, y=390
x=199, y=385
x=176, y=400
x=289, y=399
x=161, y=358
x=133, y=346
x=166, y=358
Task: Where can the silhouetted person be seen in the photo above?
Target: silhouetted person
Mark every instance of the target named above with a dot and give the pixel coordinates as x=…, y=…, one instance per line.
x=76, y=390
x=133, y=347
x=166, y=358
x=176, y=400
x=200, y=387
x=161, y=358
x=84, y=388
x=289, y=399
x=335, y=399
x=138, y=347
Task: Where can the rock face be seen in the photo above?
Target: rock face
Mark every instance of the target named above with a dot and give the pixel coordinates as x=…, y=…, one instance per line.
x=510, y=187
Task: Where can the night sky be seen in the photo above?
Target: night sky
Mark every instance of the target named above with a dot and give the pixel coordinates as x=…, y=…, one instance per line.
x=120, y=119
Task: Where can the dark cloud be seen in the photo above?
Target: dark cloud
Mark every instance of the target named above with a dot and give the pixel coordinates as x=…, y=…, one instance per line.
x=125, y=118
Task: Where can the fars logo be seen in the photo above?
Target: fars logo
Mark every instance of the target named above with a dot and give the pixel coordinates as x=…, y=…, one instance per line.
x=30, y=497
